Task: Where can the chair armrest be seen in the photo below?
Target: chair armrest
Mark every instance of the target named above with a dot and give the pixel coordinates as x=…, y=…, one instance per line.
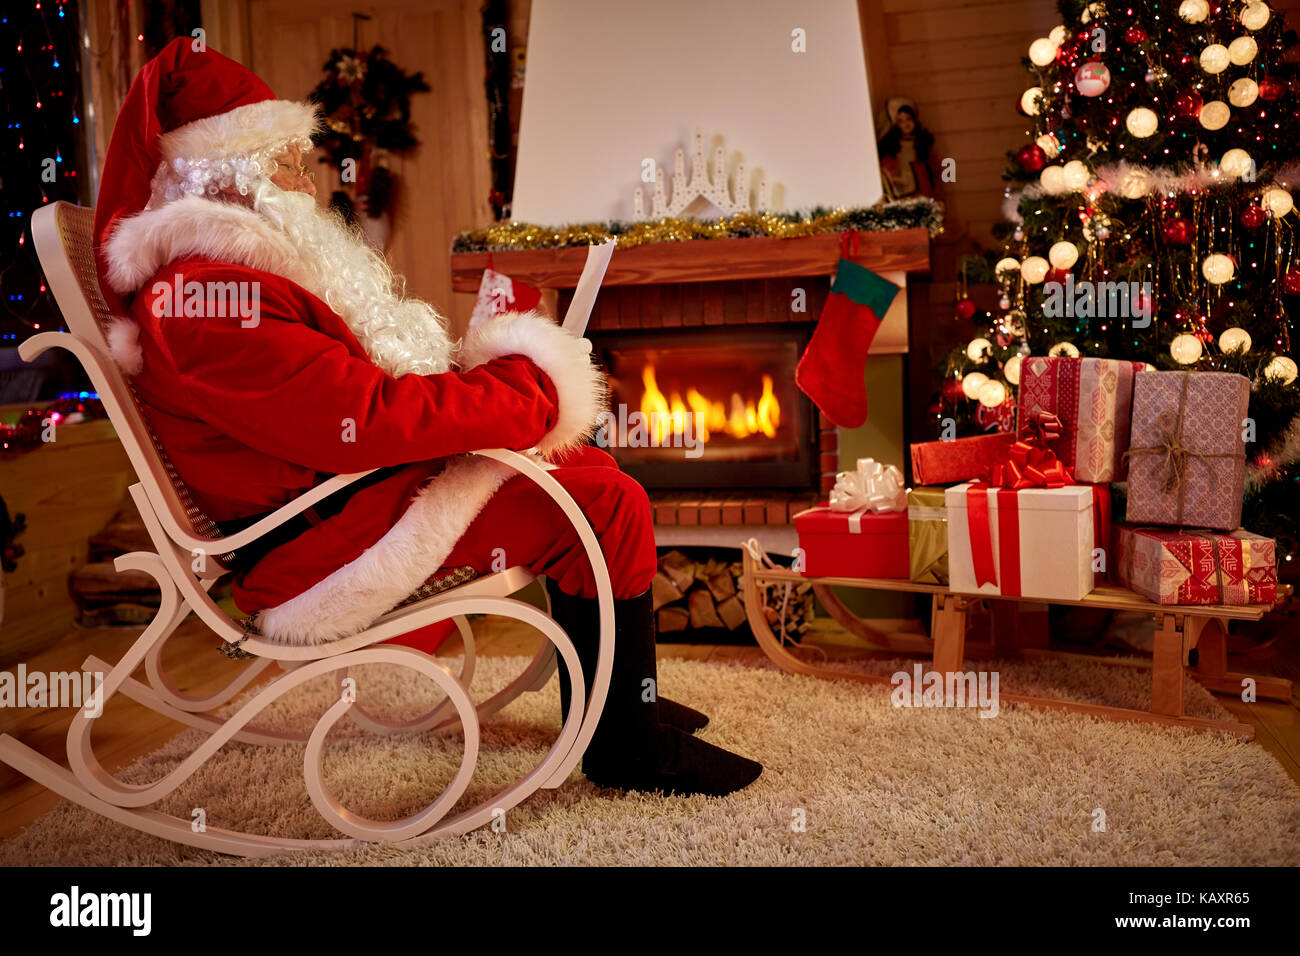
x=291, y=510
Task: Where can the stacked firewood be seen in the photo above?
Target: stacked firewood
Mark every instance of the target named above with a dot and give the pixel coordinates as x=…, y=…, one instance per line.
x=106, y=596
x=698, y=594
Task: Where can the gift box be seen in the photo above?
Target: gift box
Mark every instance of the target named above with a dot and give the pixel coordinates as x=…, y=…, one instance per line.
x=1033, y=542
x=1094, y=400
x=1187, y=460
x=853, y=544
x=1196, y=567
x=927, y=535
x=962, y=459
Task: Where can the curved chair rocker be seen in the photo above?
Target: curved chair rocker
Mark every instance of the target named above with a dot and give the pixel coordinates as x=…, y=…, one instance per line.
x=179, y=531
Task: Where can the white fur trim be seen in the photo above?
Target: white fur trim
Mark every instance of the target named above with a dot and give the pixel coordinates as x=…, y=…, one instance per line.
x=141, y=245
x=565, y=358
x=254, y=127
x=351, y=598
x=124, y=345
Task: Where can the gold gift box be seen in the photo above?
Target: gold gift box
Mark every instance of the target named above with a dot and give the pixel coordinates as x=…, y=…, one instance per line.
x=927, y=535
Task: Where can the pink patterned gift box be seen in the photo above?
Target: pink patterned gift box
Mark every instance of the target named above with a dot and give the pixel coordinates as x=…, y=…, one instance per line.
x=1196, y=567
x=1093, y=398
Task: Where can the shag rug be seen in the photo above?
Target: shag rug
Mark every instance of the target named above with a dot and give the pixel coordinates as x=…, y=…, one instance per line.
x=849, y=779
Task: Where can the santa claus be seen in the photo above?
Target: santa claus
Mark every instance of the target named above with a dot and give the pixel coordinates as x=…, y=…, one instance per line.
x=271, y=348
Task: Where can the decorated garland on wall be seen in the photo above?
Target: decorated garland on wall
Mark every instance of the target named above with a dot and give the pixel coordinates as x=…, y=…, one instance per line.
x=920, y=213
x=28, y=433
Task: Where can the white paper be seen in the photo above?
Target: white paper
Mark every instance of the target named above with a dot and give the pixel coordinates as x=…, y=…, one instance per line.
x=584, y=296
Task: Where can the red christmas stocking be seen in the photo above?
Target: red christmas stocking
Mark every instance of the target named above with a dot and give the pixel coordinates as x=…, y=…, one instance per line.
x=831, y=370
x=498, y=293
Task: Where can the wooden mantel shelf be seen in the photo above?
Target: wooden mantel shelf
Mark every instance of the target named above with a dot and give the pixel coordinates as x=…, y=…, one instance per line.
x=701, y=260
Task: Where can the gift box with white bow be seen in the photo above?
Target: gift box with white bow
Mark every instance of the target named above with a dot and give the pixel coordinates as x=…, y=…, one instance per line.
x=861, y=532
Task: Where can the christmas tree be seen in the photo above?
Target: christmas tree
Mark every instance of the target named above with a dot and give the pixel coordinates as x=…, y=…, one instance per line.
x=1150, y=216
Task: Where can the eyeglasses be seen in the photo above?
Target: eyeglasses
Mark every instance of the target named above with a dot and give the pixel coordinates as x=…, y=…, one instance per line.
x=300, y=170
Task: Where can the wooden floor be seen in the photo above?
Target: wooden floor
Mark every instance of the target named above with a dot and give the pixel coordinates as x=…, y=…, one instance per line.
x=128, y=731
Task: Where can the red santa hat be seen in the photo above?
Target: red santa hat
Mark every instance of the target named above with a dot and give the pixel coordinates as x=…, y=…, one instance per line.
x=189, y=108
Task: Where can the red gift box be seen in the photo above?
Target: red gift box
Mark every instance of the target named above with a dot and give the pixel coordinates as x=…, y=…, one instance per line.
x=853, y=544
x=1196, y=567
x=962, y=459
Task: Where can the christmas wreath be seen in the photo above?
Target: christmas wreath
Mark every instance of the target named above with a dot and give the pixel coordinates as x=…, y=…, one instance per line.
x=366, y=99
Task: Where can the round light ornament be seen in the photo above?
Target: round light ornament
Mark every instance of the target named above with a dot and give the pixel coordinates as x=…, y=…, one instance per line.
x=1193, y=11
x=1063, y=255
x=1064, y=350
x=1215, y=115
x=1215, y=59
x=1057, y=34
x=1255, y=15
x=1218, y=268
x=977, y=348
x=1009, y=264
x=1236, y=163
x=992, y=393
x=1142, y=122
x=1052, y=179
x=1233, y=339
x=1031, y=101
x=1282, y=368
x=972, y=383
x=1042, y=51
x=1185, y=348
x=1093, y=11
x=1278, y=202
x=1075, y=175
x=1034, y=269
x=1049, y=144
x=1242, y=50
x=1243, y=91
x=1012, y=369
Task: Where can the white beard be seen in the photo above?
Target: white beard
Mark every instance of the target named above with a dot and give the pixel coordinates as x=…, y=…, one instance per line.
x=401, y=335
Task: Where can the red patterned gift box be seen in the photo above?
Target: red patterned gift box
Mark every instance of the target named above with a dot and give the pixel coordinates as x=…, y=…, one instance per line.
x=1196, y=567
x=1094, y=400
x=1187, y=460
x=853, y=544
x=962, y=459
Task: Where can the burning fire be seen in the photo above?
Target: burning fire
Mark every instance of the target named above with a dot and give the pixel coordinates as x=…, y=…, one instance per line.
x=668, y=415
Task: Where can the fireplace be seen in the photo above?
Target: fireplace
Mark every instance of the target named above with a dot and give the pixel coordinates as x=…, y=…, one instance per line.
x=701, y=408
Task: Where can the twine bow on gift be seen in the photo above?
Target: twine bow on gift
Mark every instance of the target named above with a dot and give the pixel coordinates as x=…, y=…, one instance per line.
x=872, y=487
x=1029, y=463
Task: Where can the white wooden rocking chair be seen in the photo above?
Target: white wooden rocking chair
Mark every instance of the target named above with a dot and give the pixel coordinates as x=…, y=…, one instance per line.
x=179, y=530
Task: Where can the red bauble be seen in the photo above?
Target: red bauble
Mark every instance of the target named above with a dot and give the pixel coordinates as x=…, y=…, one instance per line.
x=1143, y=304
x=1291, y=282
x=1271, y=88
x=952, y=390
x=965, y=308
x=1135, y=35
x=1031, y=158
x=1177, y=231
x=1188, y=104
x=1057, y=275
x=1252, y=217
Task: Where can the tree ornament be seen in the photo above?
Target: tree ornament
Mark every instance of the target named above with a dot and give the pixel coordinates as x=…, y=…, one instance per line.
x=1042, y=51
x=1063, y=255
x=1236, y=163
x=1063, y=350
x=1141, y=122
x=1281, y=368
x=992, y=393
x=1214, y=59
x=1177, y=231
x=1186, y=348
x=1092, y=79
x=1049, y=144
x=1252, y=217
x=1242, y=50
x=1034, y=270
x=965, y=309
x=1291, y=282
x=1052, y=179
x=1271, y=89
x=1135, y=35
x=972, y=383
x=1218, y=268
x=1194, y=11
x=1214, y=115
x=976, y=349
x=1058, y=34
x=1031, y=158
x=1008, y=265
x=1188, y=103
x=1012, y=369
x=1254, y=16
x=1031, y=101
x=1233, y=339
x=1243, y=91
x=1075, y=175
x=952, y=390
x=1014, y=322
x=1093, y=11
x=1277, y=202
x=1135, y=183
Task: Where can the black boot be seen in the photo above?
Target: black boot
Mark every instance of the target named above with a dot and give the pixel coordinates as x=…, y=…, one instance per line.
x=580, y=617
x=632, y=749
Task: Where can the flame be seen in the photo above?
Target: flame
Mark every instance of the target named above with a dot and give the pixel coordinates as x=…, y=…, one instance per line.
x=667, y=415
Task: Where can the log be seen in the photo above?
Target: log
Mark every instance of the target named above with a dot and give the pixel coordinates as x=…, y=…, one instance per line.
x=732, y=612
x=703, y=612
x=673, y=619
x=678, y=568
x=663, y=590
x=722, y=585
